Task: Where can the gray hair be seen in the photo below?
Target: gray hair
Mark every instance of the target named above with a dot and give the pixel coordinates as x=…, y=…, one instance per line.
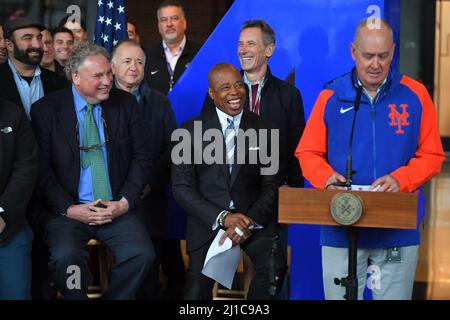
x=80, y=54
x=268, y=35
x=123, y=42
x=365, y=24
x=170, y=3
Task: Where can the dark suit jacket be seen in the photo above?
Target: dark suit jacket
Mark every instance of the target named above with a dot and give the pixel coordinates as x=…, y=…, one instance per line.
x=205, y=190
x=8, y=89
x=282, y=107
x=159, y=116
x=18, y=167
x=156, y=72
x=129, y=162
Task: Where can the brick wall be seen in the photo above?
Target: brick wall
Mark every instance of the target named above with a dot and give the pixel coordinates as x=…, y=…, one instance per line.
x=202, y=17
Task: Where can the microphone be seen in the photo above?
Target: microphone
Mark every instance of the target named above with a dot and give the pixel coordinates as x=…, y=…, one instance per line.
x=349, y=171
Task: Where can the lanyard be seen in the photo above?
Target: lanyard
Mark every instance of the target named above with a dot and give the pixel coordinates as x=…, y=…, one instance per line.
x=169, y=69
x=261, y=84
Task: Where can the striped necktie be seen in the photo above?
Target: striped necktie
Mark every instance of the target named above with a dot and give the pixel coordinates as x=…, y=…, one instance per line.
x=230, y=142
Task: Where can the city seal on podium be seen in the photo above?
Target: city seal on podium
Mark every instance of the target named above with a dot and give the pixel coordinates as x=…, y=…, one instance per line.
x=346, y=208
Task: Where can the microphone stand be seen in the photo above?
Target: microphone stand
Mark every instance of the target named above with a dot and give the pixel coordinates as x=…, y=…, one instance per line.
x=351, y=281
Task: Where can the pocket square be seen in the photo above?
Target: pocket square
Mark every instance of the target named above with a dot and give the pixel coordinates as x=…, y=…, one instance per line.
x=253, y=148
x=6, y=130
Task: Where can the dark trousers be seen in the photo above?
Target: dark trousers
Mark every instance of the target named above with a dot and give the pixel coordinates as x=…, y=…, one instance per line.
x=170, y=258
x=15, y=266
x=126, y=239
x=258, y=248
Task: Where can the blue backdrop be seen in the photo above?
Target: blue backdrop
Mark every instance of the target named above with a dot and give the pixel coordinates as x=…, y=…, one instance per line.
x=312, y=47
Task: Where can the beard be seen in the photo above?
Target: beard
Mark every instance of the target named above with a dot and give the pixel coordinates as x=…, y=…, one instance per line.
x=25, y=57
x=170, y=36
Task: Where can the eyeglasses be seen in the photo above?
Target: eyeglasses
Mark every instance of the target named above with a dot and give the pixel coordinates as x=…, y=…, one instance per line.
x=94, y=146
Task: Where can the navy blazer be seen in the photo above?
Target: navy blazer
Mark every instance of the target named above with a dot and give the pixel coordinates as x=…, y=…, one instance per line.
x=129, y=156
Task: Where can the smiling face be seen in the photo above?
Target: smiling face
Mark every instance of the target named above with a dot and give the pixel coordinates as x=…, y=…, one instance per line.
x=26, y=46
x=63, y=43
x=227, y=89
x=94, y=79
x=128, y=65
x=253, y=53
x=49, y=52
x=373, y=51
x=171, y=24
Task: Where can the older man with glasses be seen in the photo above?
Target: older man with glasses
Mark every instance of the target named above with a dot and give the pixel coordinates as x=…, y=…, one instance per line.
x=92, y=176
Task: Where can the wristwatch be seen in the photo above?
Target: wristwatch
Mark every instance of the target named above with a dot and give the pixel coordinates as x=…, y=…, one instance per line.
x=222, y=217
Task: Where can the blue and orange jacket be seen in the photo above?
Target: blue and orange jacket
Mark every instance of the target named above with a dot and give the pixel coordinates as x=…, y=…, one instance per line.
x=396, y=134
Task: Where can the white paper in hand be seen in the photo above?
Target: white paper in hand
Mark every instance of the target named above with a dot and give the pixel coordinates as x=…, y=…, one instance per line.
x=221, y=261
x=356, y=187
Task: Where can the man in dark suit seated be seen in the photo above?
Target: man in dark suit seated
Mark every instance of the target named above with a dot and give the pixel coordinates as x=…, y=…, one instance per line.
x=128, y=61
x=18, y=175
x=94, y=163
x=234, y=195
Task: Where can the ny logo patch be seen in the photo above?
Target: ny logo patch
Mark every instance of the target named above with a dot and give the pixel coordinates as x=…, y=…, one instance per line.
x=399, y=119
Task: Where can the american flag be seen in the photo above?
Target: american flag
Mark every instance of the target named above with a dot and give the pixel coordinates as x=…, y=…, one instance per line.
x=111, y=25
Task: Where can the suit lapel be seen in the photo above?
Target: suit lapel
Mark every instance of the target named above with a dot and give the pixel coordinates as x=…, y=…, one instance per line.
x=212, y=122
x=245, y=124
x=66, y=114
x=111, y=116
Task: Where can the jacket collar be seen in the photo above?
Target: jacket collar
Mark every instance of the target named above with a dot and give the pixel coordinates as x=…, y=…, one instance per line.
x=345, y=86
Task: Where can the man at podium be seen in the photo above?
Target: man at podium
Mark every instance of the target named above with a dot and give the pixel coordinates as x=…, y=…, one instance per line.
x=396, y=147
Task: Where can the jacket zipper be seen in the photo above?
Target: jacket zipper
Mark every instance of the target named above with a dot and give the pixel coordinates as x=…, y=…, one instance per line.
x=372, y=116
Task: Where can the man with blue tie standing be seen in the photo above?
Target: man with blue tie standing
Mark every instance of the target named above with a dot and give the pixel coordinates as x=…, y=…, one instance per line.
x=94, y=163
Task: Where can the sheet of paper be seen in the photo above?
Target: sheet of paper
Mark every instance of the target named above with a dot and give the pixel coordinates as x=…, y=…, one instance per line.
x=221, y=261
x=356, y=187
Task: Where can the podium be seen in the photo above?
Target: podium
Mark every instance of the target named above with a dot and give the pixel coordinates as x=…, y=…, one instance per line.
x=392, y=210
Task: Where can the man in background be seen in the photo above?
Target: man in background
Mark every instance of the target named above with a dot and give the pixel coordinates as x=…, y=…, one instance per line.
x=128, y=61
x=22, y=81
x=78, y=29
x=48, y=58
x=63, y=42
x=167, y=60
x=133, y=33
